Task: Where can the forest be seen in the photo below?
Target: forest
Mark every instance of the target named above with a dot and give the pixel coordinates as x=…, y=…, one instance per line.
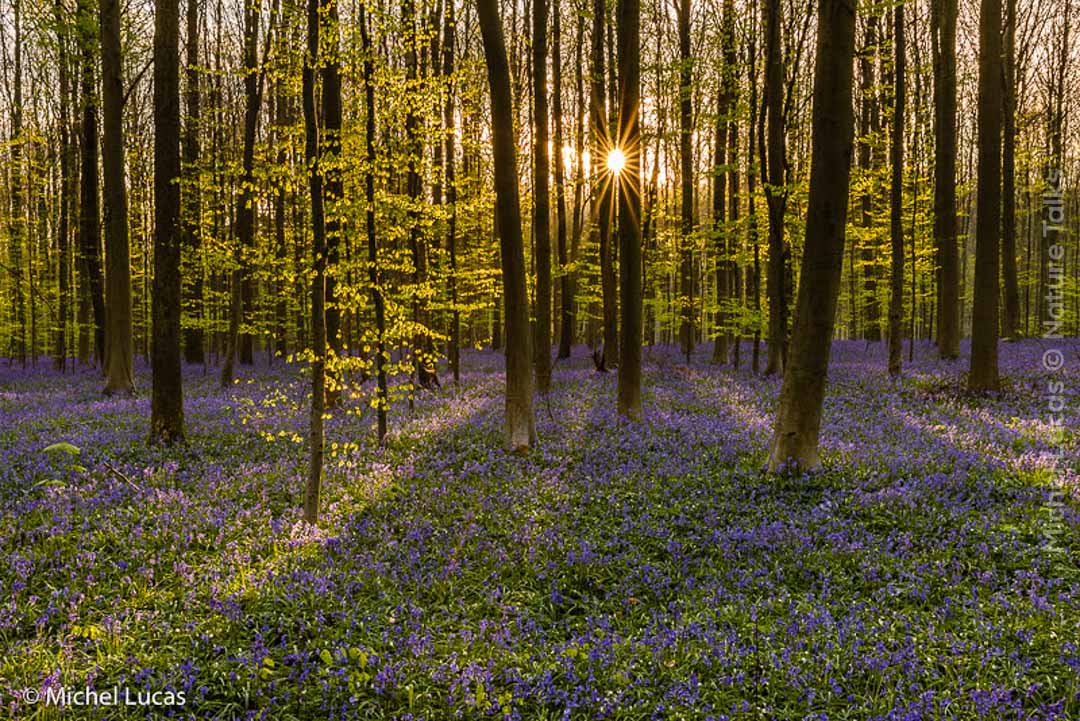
x=539, y=359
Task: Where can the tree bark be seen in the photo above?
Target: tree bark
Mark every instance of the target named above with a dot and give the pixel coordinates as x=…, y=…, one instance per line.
x=775, y=192
x=167, y=399
x=629, y=193
x=119, y=348
x=449, y=39
x=541, y=200
x=240, y=295
x=686, y=174
x=520, y=424
x=374, y=276
x=194, y=345
x=943, y=21
x=333, y=186
x=89, y=198
x=798, y=421
x=318, y=286
x=602, y=207
x=983, y=373
x=1011, y=317
x=63, y=234
x=566, y=292
x=896, y=210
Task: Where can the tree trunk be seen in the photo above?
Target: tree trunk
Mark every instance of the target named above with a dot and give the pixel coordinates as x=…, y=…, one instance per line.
x=194, y=345
x=63, y=234
x=541, y=200
x=119, y=349
x=1011, y=317
x=870, y=122
x=943, y=20
x=318, y=285
x=775, y=192
x=686, y=174
x=799, y=419
x=333, y=186
x=167, y=398
x=454, y=351
x=566, y=292
x=603, y=207
x=89, y=199
x=629, y=193
x=381, y=399
x=520, y=425
x=896, y=210
x=983, y=374
x=240, y=294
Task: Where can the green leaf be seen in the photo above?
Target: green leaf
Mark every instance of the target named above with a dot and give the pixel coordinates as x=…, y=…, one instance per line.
x=63, y=448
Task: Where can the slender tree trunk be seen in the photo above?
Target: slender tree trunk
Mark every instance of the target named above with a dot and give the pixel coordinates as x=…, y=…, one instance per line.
x=89, y=199
x=896, y=215
x=943, y=20
x=17, y=222
x=63, y=234
x=167, y=398
x=240, y=295
x=983, y=373
x=799, y=419
x=520, y=424
x=1011, y=317
x=719, y=209
x=194, y=346
x=629, y=193
x=318, y=285
x=333, y=186
x=870, y=131
x=119, y=349
x=603, y=207
x=686, y=172
x=374, y=276
x=449, y=39
x=775, y=192
x=541, y=199
x=566, y=292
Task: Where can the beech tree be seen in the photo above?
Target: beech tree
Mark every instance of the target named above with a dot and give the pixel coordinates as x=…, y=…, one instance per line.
x=520, y=423
x=167, y=398
x=798, y=422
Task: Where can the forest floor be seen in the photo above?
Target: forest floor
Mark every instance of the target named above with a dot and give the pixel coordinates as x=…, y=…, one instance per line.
x=618, y=571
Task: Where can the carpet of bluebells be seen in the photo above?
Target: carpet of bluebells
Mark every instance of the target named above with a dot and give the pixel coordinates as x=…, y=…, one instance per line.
x=619, y=571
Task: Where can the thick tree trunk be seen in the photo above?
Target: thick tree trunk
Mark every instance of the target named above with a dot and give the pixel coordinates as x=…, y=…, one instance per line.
x=541, y=200
x=520, y=424
x=318, y=286
x=629, y=193
x=943, y=20
x=119, y=348
x=686, y=175
x=167, y=398
x=799, y=419
x=983, y=373
x=896, y=210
